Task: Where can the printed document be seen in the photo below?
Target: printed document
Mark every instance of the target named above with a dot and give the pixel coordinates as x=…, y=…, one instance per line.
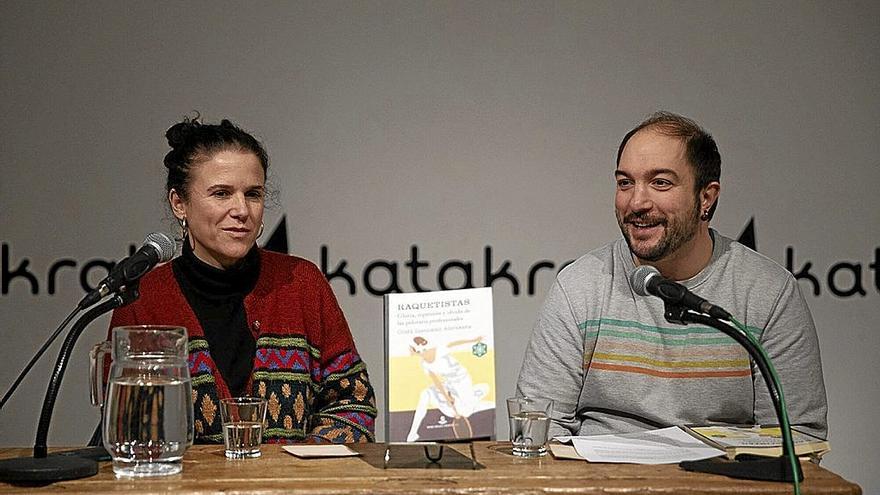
x=665, y=446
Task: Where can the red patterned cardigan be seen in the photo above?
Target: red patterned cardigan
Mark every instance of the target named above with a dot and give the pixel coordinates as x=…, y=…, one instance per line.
x=306, y=363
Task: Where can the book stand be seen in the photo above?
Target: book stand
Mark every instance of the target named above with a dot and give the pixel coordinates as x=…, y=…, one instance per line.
x=434, y=456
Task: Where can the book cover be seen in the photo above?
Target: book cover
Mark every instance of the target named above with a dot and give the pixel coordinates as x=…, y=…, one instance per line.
x=758, y=440
x=440, y=366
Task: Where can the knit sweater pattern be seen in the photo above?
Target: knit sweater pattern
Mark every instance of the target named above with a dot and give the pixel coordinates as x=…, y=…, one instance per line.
x=306, y=364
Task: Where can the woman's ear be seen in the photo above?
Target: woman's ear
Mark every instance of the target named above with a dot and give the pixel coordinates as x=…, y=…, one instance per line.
x=178, y=207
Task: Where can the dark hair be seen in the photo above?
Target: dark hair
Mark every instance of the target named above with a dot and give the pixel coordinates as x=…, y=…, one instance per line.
x=700, y=148
x=192, y=141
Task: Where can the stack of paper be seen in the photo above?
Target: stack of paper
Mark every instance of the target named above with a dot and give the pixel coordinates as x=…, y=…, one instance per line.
x=666, y=446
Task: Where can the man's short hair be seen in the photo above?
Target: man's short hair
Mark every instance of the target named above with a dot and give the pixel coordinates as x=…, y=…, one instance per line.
x=700, y=148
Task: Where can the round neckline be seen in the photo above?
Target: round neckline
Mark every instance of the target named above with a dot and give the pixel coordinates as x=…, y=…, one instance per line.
x=696, y=280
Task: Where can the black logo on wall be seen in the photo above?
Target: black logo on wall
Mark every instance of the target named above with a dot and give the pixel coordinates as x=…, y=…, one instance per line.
x=383, y=276
x=844, y=278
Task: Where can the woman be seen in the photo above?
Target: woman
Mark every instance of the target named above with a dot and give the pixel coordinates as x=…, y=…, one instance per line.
x=259, y=323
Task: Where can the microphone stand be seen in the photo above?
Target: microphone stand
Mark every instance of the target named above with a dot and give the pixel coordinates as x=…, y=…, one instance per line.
x=42, y=468
x=761, y=468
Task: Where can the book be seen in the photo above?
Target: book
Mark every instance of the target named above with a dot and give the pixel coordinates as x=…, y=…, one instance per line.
x=758, y=440
x=439, y=366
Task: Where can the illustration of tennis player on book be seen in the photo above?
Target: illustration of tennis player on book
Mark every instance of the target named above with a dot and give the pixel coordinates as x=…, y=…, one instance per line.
x=451, y=388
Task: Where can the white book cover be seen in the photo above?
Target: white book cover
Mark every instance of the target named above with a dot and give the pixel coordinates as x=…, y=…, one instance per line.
x=439, y=366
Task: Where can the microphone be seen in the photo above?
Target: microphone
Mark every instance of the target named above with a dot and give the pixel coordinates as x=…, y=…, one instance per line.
x=683, y=306
x=157, y=248
x=646, y=280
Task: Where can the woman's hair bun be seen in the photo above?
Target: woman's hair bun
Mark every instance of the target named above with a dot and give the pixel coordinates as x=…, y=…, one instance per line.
x=192, y=141
x=179, y=133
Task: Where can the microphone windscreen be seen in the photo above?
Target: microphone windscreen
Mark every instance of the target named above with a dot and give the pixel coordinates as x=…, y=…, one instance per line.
x=639, y=279
x=163, y=243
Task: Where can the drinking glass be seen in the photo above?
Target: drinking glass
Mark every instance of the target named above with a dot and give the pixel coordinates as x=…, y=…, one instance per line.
x=529, y=425
x=243, y=419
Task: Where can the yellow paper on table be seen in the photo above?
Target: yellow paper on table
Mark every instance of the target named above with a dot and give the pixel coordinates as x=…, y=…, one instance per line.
x=757, y=440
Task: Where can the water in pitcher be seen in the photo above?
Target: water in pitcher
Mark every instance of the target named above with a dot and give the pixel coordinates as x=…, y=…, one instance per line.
x=146, y=425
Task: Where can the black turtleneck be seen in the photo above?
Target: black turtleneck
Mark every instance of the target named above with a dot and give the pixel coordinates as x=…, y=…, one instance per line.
x=217, y=298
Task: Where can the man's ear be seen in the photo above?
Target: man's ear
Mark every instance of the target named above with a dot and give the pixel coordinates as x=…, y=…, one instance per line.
x=709, y=195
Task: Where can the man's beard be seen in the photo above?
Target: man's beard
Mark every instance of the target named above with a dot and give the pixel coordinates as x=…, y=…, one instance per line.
x=677, y=231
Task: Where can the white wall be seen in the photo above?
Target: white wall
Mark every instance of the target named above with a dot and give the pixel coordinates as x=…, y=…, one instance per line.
x=447, y=125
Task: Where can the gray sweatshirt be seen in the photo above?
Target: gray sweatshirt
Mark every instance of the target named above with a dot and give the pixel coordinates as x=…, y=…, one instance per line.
x=612, y=363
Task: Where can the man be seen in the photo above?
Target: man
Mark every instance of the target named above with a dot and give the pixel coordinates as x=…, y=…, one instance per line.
x=609, y=358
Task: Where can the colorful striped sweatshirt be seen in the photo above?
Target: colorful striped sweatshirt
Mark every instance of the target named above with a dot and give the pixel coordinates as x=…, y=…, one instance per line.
x=612, y=362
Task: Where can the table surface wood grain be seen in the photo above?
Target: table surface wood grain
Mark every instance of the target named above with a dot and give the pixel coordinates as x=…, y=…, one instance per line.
x=206, y=470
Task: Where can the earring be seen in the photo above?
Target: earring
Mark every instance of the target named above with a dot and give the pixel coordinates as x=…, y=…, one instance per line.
x=260, y=234
x=705, y=216
x=183, y=227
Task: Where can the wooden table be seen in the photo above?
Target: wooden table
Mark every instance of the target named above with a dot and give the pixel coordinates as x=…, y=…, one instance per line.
x=206, y=470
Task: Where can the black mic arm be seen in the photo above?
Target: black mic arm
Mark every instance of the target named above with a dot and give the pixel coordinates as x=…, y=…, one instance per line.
x=42, y=468
x=120, y=299
x=783, y=468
